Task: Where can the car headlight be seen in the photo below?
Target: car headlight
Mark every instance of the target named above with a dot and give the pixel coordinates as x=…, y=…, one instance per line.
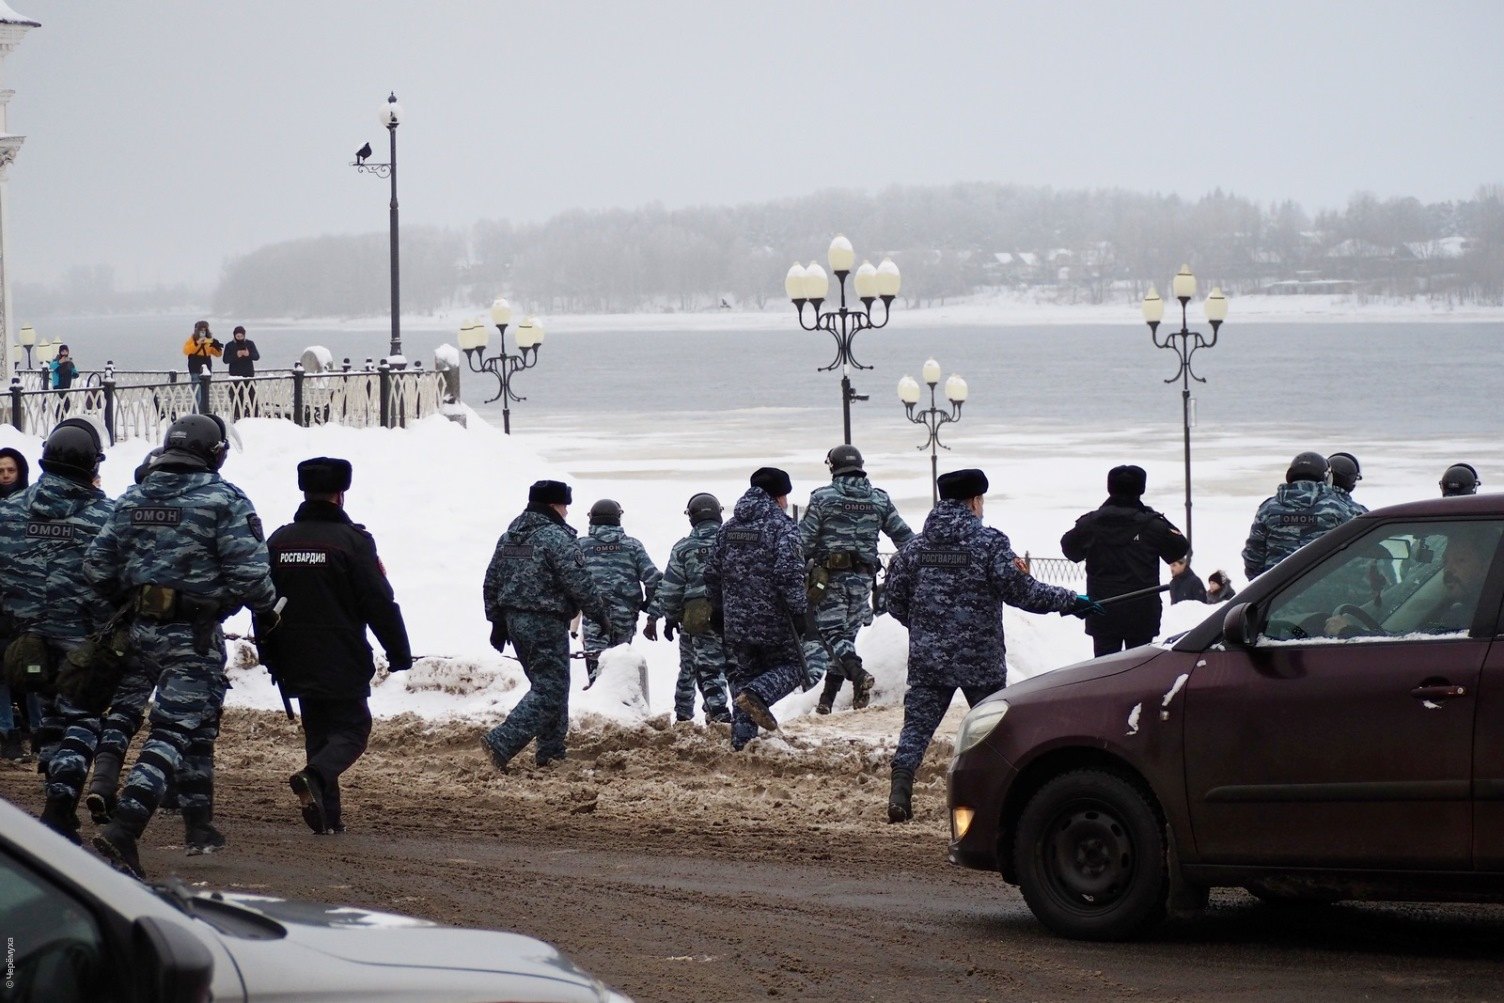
x=978, y=724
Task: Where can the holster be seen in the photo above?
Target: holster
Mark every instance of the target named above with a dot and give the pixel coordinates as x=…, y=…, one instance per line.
x=165, y=604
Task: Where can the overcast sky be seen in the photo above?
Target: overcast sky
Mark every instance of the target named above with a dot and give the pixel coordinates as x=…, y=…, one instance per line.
x=165, y=137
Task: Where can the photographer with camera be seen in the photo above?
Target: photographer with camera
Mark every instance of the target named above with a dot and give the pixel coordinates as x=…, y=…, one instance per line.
x=201, y=347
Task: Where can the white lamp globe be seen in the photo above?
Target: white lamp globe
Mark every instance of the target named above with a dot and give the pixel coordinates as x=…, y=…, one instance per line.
x=955, y=390
x=931, y=372
x=501, y=312
x=887, y=278
x=840, y=254
x=908, y=390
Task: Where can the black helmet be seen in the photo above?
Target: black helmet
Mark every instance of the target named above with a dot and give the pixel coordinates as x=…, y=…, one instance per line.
x=605, y=513
x=703, y=506
x=844, y=460
x=146, y=463
x=1345, y=470
x=73, y=450
x=199, y=436
x=1308, y=466
x=1460, y=479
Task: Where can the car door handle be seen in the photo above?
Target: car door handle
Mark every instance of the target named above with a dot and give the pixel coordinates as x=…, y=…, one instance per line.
x=1444, y=691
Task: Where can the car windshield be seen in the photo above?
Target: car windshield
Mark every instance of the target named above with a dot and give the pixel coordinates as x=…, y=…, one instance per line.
x=1421, y=580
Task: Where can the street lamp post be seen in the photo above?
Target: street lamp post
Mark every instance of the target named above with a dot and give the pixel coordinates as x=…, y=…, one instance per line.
x=933, y=417
x=28, y=340
x=1185, y=342
x=473, y=339
x=810, y=285
x=391, y=117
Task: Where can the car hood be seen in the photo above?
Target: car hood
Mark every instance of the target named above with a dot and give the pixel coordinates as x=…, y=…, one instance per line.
x=1095, y=668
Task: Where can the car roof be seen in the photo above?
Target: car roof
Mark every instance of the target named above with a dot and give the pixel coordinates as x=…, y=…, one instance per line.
x=1461, y=505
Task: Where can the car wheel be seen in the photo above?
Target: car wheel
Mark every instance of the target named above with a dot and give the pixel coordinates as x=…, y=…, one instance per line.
x=1090, y=854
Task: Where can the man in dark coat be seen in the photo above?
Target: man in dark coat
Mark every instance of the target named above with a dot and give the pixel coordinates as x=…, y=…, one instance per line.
x=241, y=355
x=754, y=579
x=948, y=586
x=1122, y=544
x=327, y=569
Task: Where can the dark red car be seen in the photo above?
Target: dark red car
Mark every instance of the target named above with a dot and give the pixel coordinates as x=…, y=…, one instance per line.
x=1337, y=733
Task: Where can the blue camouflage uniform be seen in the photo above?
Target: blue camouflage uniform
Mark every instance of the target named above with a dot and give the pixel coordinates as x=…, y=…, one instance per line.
x=839, y=533
x=45, y=532
x=191, y=531
x=702, y=657
x=623, y=571
x=1358, y=508
x=948, y=586
x=755, y=576
x=535, y=584
x=1295, y=515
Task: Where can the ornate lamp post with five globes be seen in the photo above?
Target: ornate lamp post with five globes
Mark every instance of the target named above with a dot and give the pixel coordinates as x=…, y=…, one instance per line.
x=473, y=338
x=811, y=284
x=933, y=417
x=1185, y=342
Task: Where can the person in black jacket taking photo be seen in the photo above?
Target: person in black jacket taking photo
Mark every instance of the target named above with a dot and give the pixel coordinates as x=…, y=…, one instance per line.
x=1122, y=543
x=327, y=569
x=240, y=354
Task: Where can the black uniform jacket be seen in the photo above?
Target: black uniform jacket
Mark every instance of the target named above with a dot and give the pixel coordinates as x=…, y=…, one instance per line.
x=1122, y=544
x=326, y=567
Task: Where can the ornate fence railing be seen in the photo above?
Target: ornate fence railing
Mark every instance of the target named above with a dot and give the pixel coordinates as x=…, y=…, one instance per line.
x=141, y=404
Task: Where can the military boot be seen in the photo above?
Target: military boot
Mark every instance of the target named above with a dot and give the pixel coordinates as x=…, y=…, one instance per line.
x=862, y=682
x=11, y=747
x=900, y=796
x=310, y=799
x=592, y=670
x=100, y=800
x=828, y=694
x=117, y=844
x=199, y=834
x=61, y=816
x=752, y=705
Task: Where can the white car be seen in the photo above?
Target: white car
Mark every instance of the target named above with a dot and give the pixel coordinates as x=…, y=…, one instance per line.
x=77, y=930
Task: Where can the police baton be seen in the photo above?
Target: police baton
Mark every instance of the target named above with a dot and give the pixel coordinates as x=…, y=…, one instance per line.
x=1136, y=594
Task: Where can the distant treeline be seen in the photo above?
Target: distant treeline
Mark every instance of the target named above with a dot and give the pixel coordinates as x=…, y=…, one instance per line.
x=1082, y=246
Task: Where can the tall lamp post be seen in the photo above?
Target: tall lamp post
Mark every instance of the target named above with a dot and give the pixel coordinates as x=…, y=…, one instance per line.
x=473, y=339
x=810, y=285
x=28, y=341
x=1185, y=342
x=391, y=117
x=933, y=417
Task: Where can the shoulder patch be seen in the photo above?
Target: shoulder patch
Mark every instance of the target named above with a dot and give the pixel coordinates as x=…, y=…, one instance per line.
x=156, y=515
x=253, y=523
x=743, y=536
x=949, y=559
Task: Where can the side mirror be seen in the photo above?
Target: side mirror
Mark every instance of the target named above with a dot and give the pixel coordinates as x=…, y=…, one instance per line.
x=173, y=965
x=1240, y=627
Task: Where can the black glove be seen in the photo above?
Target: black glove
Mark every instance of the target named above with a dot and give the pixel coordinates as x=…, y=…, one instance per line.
x=399, y=664
x=809, y=626
x=718, y=619
x=669, y=626
x=499, y=635
x=1083, y=607
x=266, y=621
x=216, y=343
x=650, y=629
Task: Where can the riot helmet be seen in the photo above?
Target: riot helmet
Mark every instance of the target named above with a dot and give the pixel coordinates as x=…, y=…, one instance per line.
x=1345, y=470
x=1308, y=466
x=73, y=450
x=1460, y=479
x=605, y=513
x=703, y=506
x=201, y=437
x=844, y=459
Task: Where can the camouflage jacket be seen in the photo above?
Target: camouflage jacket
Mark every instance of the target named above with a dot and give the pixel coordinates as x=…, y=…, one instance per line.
x=948, y=586
x=756, y=572
x=192, y=531
x=45, y=532
x=1297, y=514
x=538, y=567
x=1347, y=496
x=624, y=573
x=684, y=577
x=845, y=516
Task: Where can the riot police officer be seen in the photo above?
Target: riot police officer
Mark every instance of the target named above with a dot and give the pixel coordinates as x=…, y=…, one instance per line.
x=1459, y=479
x=1302, y=509
x=839, y=534
x=183, y=549
x=1346, y=473
x=624, y=574
x=682, y=603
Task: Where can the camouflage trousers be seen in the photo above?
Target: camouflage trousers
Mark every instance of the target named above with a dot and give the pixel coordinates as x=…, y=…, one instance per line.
x=923, y=707
x=127, y=710
x=596, y=638
x=702, y=664
x=770, y=671
x=542, y=645
x=847, y=608
x=184, y=723
x=66, y=737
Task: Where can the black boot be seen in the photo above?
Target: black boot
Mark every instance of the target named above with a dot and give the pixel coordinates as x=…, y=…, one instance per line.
x=828, y=694
x=900, y=796
x=102, y=787
x=61, y=816
x=11, y=746
x=862, y=682
x=199, y=834
x=118, y=845
x=310, y=799
x=592, y=670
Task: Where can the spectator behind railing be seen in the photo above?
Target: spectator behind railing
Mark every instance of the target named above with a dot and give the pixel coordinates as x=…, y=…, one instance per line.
x=63, y=371
x=200, y=348
x=241, y=356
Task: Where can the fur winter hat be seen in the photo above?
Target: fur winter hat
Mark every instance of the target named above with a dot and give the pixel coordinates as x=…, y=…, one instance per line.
x=550, y=493
x=772, y=480
x=959, y=485
x=1127, y=481
x=324, y=475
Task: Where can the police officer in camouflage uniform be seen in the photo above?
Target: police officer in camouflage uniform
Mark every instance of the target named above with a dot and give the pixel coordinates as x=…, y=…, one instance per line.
x=1346, y=473
x=536, y=582
x=702, y=658
x=185, y=549
x=948, y=586
x=1459, y=479
x=624, y=574
x=1302, y=509
x=45, y=532
x=754, y=579
x=839, y=533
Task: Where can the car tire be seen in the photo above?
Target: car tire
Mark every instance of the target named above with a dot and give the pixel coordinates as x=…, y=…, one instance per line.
x=1091, y=857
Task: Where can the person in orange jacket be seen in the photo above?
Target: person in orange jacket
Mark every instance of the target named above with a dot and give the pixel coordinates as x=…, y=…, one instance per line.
x=200, y=348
